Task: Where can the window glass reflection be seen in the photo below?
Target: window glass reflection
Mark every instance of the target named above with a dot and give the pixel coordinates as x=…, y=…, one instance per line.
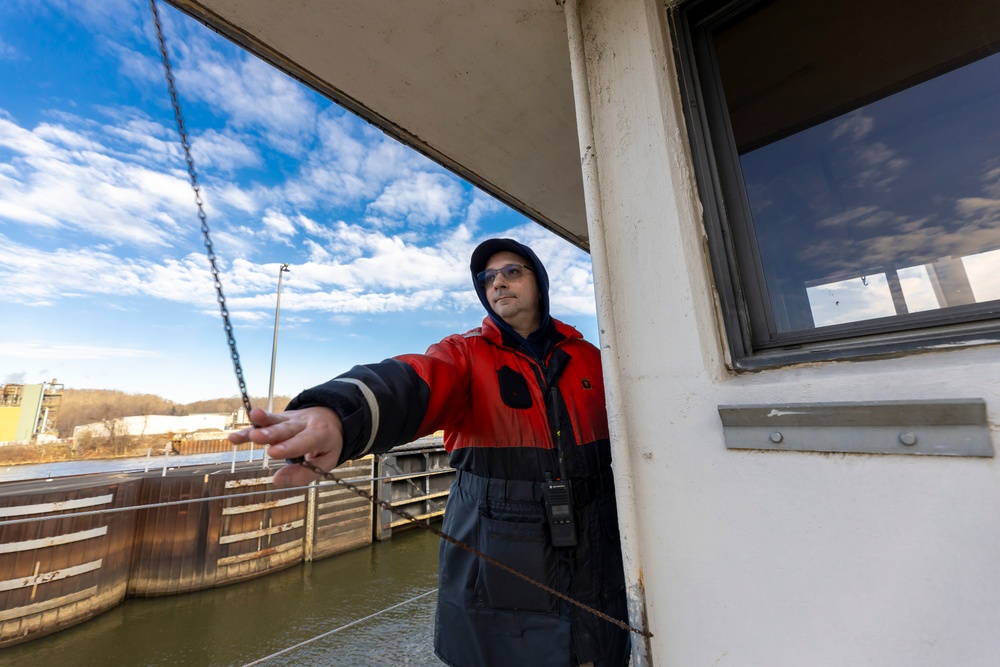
x=891, y=209
x=983, y=270
x=918, y=290
x=850, y=300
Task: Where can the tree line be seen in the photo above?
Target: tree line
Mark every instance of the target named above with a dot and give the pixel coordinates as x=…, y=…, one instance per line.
x=87, y=406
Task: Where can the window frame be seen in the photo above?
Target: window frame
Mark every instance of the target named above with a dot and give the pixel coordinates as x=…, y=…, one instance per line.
x=736, y=266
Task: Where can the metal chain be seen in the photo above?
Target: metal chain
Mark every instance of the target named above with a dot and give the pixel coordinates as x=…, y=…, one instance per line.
x=233, y=353
x=426, y=525
x=246, y=400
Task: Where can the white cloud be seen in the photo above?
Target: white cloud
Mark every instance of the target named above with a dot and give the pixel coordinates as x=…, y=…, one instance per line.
x=251, y=94
x=360, y=270
x=83, y=188
x=981, y=208
x=317, y=253
x=917, y=288
x=65, y=138
x=338, y=141
x=232, y=242
x=386, y=159
x=62, y=352
x=253, y=318
x=851, y=300
x=246, y=200
x=132, y=137
x=421, y=199
x=370, y=302
x=324, y=183
x=278, y=226
x=98, y=223
x=984, y=278
x=877, y=165
x=991, y=179
x=381, y=273
x=32, y=276
x=350, y=164
x=855, y=125
x=571, y=282
x=874, y=164
x=103, y=15
x=309, y=226
x=224, y=150
x=482, y=206
x=122, y=183
x=22, y=141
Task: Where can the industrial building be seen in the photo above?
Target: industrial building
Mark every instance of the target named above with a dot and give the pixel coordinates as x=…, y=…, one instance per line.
x=28, y=412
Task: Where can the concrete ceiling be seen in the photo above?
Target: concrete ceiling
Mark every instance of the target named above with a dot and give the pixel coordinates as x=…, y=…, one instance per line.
x=483, y=88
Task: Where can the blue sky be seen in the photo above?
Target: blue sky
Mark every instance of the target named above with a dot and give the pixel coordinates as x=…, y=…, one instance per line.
x=105, y=281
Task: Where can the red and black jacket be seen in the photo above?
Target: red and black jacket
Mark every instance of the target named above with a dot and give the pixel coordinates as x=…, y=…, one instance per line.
x=503, y=412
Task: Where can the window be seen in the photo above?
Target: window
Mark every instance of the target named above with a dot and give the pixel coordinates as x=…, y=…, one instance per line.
x=848, y=156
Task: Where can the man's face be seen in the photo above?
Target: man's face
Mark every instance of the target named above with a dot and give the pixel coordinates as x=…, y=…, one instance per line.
x=517, y=302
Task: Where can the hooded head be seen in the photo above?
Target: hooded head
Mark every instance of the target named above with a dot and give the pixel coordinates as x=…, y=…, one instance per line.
x=481, y=256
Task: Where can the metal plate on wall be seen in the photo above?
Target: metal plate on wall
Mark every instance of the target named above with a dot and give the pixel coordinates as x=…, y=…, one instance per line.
x=952, y=427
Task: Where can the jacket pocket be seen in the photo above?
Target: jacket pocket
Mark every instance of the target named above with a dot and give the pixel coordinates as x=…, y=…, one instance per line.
x=513, y=389
x=525, y=548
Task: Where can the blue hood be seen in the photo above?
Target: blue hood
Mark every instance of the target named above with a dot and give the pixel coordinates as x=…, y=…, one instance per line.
x=481, y=255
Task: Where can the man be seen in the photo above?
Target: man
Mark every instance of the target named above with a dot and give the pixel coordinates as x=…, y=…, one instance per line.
x=521, y=402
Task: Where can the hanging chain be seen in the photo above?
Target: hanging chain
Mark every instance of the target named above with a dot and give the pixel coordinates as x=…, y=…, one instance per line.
x=233, y=353
x=421, y=523
x=426, y=525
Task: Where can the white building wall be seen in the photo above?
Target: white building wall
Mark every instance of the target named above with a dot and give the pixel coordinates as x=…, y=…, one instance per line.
x=769, y=558
x=158, y=425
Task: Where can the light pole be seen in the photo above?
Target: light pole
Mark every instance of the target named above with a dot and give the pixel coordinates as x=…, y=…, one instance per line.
x=274, y=346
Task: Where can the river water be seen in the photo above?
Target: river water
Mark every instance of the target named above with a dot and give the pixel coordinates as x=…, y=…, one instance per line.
x=244, y=624
x=27, y=471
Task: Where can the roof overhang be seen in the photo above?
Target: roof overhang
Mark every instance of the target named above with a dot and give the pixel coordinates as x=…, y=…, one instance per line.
x=482, y=88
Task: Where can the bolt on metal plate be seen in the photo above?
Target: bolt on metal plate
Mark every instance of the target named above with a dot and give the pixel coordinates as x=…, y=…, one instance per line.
x=948, y=427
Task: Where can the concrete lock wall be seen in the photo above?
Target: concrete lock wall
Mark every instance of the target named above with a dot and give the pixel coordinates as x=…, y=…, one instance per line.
x=193, y=529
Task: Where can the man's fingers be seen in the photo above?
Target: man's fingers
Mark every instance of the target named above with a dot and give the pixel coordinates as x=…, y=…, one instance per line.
x=260, y=419
x=294, y=475
x=288, y=440
x=239, y=437
x=315, y=432
x=277, y=433
x=299, y=475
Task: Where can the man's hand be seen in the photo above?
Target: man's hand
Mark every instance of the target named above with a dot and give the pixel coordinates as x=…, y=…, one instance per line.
x=315, y=433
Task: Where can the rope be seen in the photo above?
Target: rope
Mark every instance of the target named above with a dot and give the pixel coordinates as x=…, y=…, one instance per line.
x=343, y=627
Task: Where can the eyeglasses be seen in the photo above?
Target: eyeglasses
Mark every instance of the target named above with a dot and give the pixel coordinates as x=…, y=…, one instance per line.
x=511, y=273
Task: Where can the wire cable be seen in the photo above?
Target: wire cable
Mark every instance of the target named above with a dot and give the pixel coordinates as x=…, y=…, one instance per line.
x=336, y=630
x=170, y=503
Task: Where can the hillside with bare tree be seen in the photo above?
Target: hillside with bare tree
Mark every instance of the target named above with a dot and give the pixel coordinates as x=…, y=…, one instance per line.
x=87, y=406
x=108, y=408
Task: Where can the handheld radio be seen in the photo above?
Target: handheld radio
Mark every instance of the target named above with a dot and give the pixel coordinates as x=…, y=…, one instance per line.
x=559, y=509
